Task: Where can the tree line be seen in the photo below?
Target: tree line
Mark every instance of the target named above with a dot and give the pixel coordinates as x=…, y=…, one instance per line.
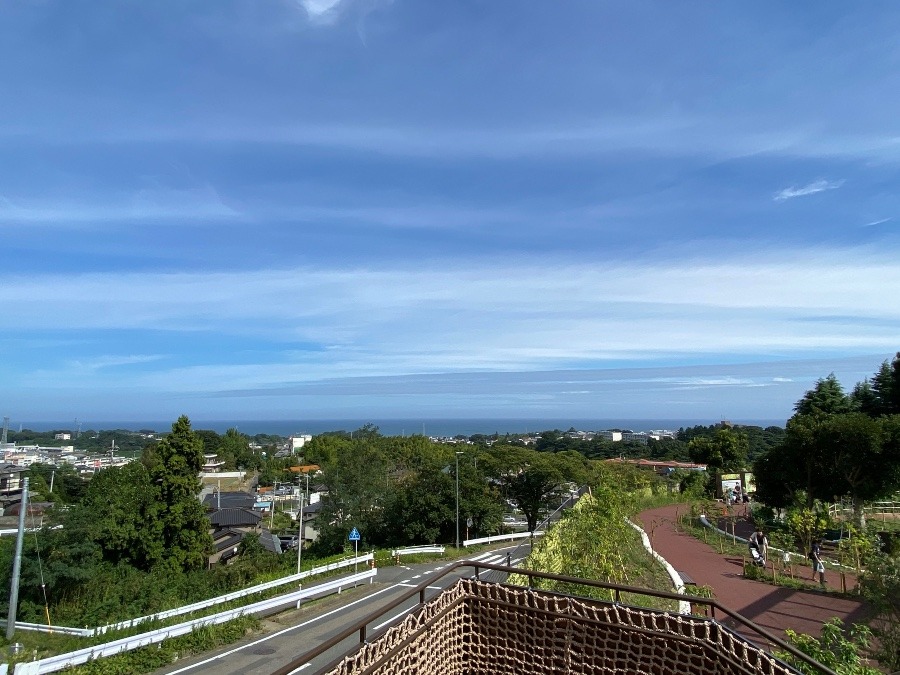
x=838, y=444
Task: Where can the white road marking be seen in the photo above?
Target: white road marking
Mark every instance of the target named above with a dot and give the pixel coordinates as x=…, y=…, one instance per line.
x=282, y=632
x=313, y=620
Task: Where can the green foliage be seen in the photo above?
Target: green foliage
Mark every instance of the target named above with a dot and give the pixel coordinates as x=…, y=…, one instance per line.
x=530, y=481
x=836, y=648
x=880, y=584
x=695, y=484
x=183, y=525
x=837, y=445
x=826, y=398
x=594, y=541
x=120, y=513
x=725, y=451
x=68, y=486
x=589, y=543
x=858, y=547
x=881, y=395
x=154, y=657
x=806, y=525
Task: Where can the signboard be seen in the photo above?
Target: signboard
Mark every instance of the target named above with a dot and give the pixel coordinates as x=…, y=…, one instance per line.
x=354, y=535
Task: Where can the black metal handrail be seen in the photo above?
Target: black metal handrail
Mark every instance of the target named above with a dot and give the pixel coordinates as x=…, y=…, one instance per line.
x=617, y=589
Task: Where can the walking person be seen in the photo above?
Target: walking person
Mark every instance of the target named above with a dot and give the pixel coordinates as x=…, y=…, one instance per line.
x=815, y=556
x=759, y=546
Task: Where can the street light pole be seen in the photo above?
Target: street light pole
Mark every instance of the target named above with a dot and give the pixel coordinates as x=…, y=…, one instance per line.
x=458, y=453
x=300, y=534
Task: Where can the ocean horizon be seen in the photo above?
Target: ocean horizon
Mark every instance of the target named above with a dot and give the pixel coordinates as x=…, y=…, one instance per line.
x=434, y=427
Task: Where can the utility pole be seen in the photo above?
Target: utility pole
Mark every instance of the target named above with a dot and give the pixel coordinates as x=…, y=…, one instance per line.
x=300, y=534
x=17, y=566
x=458, y=453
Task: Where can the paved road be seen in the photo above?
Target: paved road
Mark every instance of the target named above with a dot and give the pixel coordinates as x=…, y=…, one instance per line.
x=295, y=632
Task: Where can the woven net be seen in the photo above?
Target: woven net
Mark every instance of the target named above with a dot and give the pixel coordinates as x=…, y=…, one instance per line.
x=479, y=628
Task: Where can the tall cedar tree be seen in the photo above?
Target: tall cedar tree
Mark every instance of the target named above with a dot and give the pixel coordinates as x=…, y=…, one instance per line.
x=184, y=525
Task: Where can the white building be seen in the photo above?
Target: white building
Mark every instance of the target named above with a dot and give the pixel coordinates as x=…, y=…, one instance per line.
x=298, y=441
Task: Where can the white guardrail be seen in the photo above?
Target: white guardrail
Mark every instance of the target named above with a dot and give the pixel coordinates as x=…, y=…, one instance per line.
x=412, y=550
x=228, y=597
x=502, y=537
x=203, y=604
x=55, y=663
x=43, y=628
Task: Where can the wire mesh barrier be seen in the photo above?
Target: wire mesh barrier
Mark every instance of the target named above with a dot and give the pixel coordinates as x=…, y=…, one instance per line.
x=476, y=627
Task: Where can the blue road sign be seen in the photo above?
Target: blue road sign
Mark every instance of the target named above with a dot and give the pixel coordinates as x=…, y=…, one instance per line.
x=354, y=535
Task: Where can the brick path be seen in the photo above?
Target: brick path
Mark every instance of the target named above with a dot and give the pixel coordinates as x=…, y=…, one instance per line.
x=774, y=608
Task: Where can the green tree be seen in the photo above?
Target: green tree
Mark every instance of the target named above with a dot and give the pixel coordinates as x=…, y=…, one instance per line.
x=234, y=450
x=827, y=397
x=880, y=584
x=830, y=456
x=358, y=483
x=854, y=461
x=420, y=508
x=184, y=526
x=532, y=486
x=725, y=451
x=880, y=395
x=120, y=513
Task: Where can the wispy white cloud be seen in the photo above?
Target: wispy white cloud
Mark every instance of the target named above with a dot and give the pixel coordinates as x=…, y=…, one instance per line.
x=815, y=187
x=147, y=204
x=112, y=361
x=880, y=221
x=501, y=317
x=321, y=11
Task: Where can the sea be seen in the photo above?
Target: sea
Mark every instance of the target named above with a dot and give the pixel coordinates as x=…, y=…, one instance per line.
x=439, y=428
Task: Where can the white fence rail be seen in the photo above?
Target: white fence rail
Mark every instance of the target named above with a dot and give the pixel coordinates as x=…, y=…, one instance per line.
x=55, y=663
x=684, y=607
x=412, y=550
x=228, y=597
x=870, y=509
x=41, y=628
x=502, y=537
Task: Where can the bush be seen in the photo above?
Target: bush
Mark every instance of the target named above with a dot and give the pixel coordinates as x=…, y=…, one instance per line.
x=836, y=648
x=880, y=585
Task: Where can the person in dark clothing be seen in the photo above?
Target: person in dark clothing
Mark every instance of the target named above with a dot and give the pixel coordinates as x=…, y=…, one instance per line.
x=759, y=546
x=818, y=566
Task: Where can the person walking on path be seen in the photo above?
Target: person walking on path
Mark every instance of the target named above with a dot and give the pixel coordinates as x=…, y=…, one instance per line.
x=775, y=608
x=759, y=546
x=818, y=566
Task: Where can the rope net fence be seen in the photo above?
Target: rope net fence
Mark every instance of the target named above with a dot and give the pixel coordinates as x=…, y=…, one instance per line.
x=477, y=628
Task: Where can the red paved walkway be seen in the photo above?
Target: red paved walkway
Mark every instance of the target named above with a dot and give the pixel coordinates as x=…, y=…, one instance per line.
x=774, y=608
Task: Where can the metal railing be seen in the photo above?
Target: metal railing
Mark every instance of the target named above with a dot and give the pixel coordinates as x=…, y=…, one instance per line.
x=413, y=550
x=361, y=626
x=59, y=662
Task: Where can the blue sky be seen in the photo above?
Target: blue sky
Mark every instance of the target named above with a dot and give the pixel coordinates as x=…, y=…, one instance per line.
x=288, y=209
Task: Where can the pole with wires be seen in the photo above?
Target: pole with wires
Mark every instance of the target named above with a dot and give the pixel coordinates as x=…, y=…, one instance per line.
x=17, y=565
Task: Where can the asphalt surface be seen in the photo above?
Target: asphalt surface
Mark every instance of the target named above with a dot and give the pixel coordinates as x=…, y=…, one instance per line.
x=295, y=632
